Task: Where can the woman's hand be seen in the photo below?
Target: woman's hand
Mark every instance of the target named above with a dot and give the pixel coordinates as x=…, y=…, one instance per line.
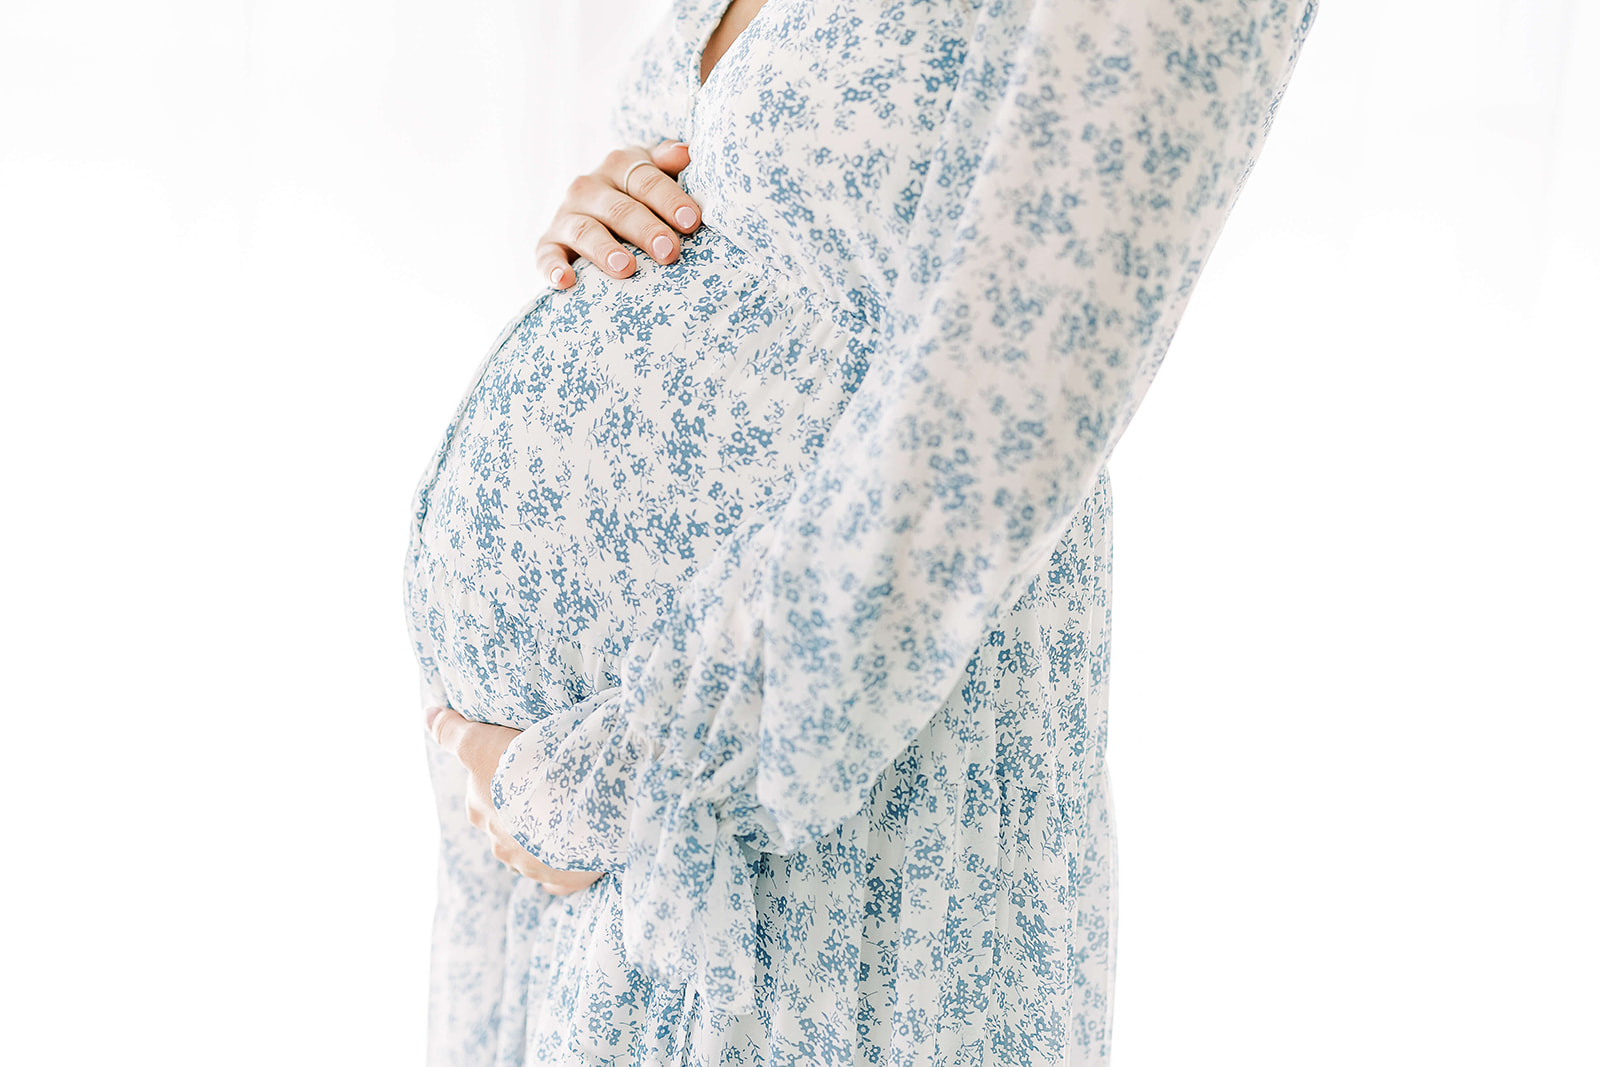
x=479, y=747
x=644, y=206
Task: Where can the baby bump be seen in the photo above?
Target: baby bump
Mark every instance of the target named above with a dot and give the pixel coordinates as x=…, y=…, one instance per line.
x=627, y=426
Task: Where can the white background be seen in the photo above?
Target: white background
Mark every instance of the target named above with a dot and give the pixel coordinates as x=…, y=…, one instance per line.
x=249, y=254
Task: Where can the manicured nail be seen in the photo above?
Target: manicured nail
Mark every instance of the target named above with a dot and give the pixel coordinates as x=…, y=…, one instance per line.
x=555, y=277
x=661, y=247
x=685, y=216
x=617, y=261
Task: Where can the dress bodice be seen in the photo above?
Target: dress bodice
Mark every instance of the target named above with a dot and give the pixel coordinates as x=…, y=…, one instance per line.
x=823, y=109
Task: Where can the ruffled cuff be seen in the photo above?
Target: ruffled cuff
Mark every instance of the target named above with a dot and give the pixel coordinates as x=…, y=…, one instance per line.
x=562, y=786
x=582, y=792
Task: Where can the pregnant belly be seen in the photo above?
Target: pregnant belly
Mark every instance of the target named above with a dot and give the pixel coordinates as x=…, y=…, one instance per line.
x=623, y=430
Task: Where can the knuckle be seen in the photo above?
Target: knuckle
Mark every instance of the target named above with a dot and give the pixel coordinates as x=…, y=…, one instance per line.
x=617, y=157
x=586, y=230
x=578, y=194
x=648, y=180
x=618, y=211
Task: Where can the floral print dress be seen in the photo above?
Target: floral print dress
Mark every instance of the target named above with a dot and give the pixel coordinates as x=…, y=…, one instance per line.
x=792, y=559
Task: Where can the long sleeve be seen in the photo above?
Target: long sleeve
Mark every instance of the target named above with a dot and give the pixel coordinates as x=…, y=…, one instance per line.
x=644, y=114
x=1086, y=166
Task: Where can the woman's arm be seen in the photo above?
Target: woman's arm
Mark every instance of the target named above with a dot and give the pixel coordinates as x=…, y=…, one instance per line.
x=477, y=748
x=1087, y=165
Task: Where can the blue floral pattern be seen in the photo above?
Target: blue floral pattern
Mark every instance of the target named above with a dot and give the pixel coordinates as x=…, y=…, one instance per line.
x=792, y=559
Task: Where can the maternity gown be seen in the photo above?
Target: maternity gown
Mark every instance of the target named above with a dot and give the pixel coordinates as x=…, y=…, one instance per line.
x=791, y=559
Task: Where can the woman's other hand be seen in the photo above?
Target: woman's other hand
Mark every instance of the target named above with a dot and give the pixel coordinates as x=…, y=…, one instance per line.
x=620, y=202
x=479, y=747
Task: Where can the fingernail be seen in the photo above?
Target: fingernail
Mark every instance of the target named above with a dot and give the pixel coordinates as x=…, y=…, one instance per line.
x=429, y=715
x=617, y=261
x=685, y=216
x=555, y=277
x=661, y=247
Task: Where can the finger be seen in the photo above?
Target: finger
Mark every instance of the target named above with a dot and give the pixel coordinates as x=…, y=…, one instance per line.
x=508, y=849
x=510, y=858
x=652, y=187
x=633, y=221
x=449, y=730
x=519, y=861
x=670, y=157
x=566, y=883
x=555, y=264
x=597, y=196
x=591, y=239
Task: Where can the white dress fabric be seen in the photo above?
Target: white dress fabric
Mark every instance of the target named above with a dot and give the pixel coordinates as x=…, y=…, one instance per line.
x=791, y=559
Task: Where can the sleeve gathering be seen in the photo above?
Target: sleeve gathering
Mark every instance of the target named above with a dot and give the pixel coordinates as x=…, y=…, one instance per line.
x=1086, y=165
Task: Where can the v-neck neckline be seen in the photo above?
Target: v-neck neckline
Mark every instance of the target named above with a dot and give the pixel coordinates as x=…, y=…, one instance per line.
x=720, y=9
x=711, y=15
x=697, y=21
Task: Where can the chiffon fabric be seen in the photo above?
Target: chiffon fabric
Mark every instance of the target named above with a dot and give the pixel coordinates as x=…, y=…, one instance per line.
x=791, y=560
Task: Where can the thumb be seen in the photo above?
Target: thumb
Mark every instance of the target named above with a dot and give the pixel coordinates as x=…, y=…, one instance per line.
x=670, y=157
x=448, y=728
